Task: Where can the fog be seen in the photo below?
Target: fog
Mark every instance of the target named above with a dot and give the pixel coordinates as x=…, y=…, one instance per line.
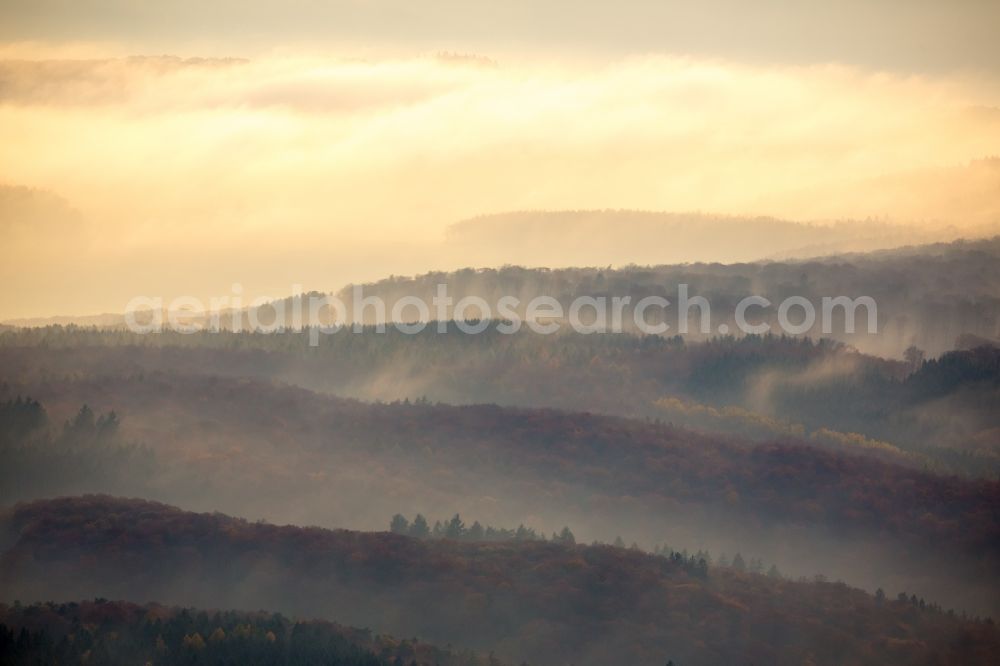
x=712, y=484
x=248, y=448
x=892, y=35
x=319, y=168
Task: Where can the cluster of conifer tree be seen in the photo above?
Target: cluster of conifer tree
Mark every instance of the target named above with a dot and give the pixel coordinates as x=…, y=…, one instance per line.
x=455, y=528
x=85, y=453
x=102, y=632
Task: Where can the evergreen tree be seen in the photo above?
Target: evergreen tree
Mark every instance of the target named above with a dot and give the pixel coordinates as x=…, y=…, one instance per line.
x=565, y=536
x=419, y=528
x=701, y=569
x=738, y=563
x=399, y=525
x=455, y=528
x=107, y=425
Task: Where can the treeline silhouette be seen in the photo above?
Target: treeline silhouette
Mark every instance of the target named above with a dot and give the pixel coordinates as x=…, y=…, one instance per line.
x=103, y=632
x=520, y=451
x=757, y=386
x=525, y=600
x=86, y=453
x=455, y=528
x=927, y=296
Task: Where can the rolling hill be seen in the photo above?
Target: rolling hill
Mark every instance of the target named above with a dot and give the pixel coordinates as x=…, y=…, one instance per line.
x=538, y=601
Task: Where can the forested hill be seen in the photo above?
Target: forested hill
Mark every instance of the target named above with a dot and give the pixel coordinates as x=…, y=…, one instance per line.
x=102, y=633
x=279, y=437
x=538, y=601
x=938, y=414
x=928, y=296
x=250, y=447
x=596, y=237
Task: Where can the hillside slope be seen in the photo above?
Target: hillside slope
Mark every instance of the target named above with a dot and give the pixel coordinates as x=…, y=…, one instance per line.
x=938, y=414
x=540, y=601
x=255, y=449
x=102, y=632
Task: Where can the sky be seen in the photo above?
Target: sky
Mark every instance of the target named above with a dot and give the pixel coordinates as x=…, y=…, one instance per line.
x=165, y=149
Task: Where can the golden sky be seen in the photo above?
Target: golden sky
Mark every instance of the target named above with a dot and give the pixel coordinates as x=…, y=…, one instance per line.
x=322, y=143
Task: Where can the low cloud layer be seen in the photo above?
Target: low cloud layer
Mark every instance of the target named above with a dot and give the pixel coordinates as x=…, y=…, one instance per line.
x=323, y=169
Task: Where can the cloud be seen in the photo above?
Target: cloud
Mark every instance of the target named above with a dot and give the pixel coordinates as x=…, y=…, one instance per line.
x=91, y=82
x=25, y=211
x=902, y=35
x=297, y=168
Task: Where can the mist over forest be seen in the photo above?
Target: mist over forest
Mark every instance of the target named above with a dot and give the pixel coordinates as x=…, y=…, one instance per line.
x=731, y=483
x=499, y=334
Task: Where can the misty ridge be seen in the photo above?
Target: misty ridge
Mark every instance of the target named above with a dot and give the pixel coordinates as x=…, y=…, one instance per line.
x=924, y=413
x=598, y=237
x=935, y=297
x=105, y=631
x=823, y=459
x=190, y=430
x=928, y=297
x=535, y=601
x=460, y=334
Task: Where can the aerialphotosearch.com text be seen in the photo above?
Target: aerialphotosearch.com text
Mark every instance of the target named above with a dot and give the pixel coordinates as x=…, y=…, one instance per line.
x=328, y=314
